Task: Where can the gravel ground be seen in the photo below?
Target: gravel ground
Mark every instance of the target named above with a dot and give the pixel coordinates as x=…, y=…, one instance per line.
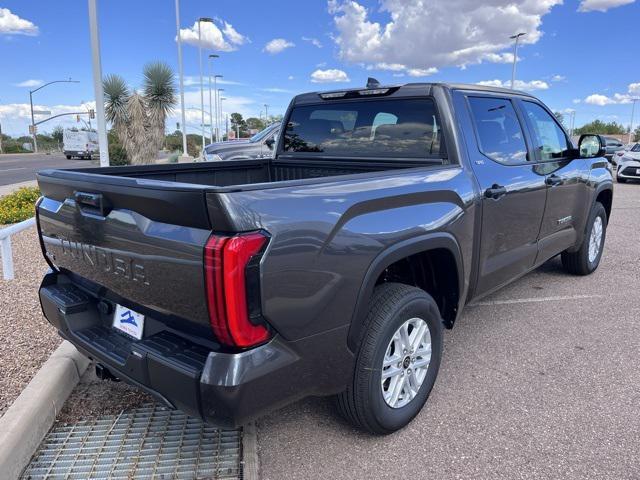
x=27, y=338
x=94, y=398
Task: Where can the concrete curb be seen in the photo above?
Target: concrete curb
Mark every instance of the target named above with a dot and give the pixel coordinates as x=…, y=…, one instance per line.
x=29, y=418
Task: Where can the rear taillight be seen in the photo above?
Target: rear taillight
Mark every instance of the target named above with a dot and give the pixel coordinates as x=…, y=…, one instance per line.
x=231, y=264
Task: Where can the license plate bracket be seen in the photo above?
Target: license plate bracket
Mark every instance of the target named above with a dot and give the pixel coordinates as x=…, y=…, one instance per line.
x=128, y=321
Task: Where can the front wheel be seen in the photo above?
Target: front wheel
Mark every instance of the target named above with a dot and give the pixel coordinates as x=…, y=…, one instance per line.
x=587, y=258
x=398, y=361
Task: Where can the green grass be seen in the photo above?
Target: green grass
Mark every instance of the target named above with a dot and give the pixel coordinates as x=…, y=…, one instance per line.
x=19, y=205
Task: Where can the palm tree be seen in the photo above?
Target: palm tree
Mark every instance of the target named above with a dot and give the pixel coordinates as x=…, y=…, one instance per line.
x=139, y=118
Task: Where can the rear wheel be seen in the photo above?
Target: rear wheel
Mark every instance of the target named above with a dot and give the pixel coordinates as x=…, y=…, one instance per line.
x=68, y=157
x=587, y=258
x=398, y=361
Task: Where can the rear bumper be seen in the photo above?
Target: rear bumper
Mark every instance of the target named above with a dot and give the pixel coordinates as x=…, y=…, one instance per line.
x=219, y=387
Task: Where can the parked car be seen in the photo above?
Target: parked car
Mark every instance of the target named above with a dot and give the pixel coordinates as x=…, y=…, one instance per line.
x=79, y=143
x=259, y=145
x=629, y=164
x=228, y=289
x=613, y=146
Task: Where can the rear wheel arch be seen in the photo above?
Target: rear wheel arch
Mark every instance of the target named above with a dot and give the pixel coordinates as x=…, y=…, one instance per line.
x=438, y=254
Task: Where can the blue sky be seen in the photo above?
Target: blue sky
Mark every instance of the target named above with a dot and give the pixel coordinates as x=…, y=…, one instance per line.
x=576, y=55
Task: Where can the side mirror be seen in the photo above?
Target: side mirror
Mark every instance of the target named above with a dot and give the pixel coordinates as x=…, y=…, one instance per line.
x=592, y=146
x=271, y=142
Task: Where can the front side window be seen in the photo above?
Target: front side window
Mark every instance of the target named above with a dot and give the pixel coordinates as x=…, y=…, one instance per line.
x=550, y=139
x=500, y=135
x=389, y=128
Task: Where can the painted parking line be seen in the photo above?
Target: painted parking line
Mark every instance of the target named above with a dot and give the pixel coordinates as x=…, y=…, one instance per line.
x=533, y=300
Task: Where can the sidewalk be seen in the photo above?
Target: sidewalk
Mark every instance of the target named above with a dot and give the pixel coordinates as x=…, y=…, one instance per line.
x=7, y=189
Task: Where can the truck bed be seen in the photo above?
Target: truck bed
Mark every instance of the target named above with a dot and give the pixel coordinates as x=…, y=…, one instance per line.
x=244, y=173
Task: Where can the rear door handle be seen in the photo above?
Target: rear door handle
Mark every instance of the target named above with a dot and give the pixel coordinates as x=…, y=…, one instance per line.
x=495, y=192
x=553, y=180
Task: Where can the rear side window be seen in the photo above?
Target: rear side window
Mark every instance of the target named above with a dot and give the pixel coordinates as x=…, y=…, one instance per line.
x=500, y=135
x=374, y=128
x=551, y=142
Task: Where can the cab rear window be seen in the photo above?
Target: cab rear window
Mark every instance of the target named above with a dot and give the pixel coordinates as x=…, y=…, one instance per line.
x=402, y=128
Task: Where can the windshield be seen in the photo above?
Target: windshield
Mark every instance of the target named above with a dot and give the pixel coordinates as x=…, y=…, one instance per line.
x=400, y=128
x=262, y=134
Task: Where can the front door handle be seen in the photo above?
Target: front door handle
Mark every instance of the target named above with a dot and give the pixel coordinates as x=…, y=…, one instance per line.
x=495, y=192
x=554, y=180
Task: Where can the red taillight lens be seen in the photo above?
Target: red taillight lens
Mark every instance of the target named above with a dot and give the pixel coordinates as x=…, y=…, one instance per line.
x=226, y=260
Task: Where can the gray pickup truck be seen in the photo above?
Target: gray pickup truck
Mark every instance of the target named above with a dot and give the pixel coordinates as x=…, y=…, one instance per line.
x=228, y=289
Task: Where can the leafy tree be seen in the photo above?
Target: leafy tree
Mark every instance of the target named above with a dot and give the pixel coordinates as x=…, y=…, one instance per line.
x=139, y=119
x=559, y=117
x=636, y=134
x=602, y=128
x=238, y=123
x=254, y=123
x=58, y=133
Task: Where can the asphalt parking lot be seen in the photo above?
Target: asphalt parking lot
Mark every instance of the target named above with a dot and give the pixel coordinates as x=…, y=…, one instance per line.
x=540, y=380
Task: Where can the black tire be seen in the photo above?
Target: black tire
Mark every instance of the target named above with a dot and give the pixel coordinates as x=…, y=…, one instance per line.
x=578, y=262
x=68, y=157
x=362, y=403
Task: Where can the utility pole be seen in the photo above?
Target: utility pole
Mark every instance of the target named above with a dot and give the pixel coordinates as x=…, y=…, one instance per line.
x=211, y=57
x=97, y=84
x=185, y=153
x=515, y=57
x=633, y=111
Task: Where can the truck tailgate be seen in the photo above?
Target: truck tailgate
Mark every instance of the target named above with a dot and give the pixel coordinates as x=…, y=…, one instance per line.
x=138, y=242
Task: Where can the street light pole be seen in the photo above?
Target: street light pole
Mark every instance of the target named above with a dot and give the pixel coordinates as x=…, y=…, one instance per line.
x=515, y=57
x=97, y=84
x=33, y=122
x=211, y=57
x=217, y=107
x=200, y=20
x=633, y=111
x=221, y=112
x=219, y=117
x=266, y=113
x=185, y=153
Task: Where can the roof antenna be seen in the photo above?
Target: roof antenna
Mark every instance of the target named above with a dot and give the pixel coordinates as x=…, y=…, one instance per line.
x=372, y=83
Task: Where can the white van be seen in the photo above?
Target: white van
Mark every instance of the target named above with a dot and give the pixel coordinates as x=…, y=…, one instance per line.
x=80, y=143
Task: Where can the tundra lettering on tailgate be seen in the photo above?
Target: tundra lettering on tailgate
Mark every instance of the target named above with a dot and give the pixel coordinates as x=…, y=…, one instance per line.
x=103, y=259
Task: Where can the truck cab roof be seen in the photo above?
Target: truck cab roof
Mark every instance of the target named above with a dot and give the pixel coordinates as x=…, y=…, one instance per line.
x=398, y=90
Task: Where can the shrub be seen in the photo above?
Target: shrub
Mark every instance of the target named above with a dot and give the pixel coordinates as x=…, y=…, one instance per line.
x=19, y=205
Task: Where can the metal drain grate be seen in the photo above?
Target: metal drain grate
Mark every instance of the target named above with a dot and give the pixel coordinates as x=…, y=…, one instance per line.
x=151, y=442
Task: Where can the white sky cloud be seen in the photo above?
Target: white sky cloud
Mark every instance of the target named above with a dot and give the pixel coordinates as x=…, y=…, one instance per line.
x=12, y=24
x=421, y=72
x=194, y=80
x=529, y=86
x=329, y=76
x=601, y=5
x=558, y=78
x=633, y=91
x=437, y=33
x=278, y=45
x=212, y=38
x=313, y=41
x=31, y=83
